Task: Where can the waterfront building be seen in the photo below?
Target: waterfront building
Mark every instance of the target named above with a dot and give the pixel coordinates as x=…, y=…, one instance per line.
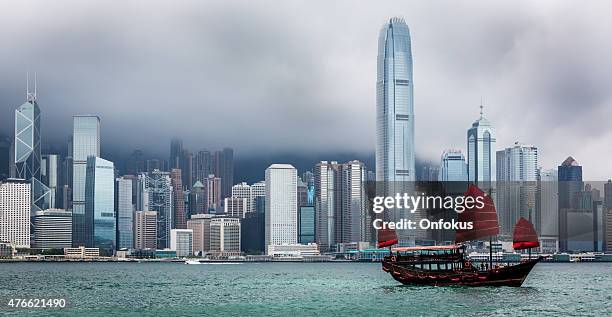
x=243, y=191
x=199, y=224
x=145, y=230
x=253, y=229
x=156, y=193
x=569, y=186
x=181, y=241
x=281, y=204
x=52, y=229
x=481, y=140
x=179, y=216
x=82, y=253
x=293, y=250
x=235, y=207
x=100, y=222
x=453, y=167
x=517, y=175
x=395, y=148
x=125, y=212
x=225, y=236
x=85, y=143
x=306, y=225
x=15, y=208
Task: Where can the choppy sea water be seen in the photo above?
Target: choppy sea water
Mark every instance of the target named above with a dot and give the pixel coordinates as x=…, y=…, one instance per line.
x=294, y=289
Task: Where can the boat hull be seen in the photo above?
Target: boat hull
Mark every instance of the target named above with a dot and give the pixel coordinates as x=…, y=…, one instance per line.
x=506, y=276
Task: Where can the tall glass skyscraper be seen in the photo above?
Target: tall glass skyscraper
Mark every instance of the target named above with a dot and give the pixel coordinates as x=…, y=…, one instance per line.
x=125, y=212
x=27, y=157
x=100, y=204
x=481, y=152
x=394, y=104
x=85, y=143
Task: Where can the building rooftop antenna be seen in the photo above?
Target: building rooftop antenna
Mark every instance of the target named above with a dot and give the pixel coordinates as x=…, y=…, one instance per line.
x=481, y=108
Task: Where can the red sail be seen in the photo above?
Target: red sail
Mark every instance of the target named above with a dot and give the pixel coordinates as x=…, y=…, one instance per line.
x=386, y=237
x=525, y=235
x=484, y=220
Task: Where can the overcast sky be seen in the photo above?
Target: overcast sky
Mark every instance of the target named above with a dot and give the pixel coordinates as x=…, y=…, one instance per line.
x=299, y=76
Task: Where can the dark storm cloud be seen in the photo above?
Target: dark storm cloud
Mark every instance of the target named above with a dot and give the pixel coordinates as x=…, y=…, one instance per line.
x=268, y=77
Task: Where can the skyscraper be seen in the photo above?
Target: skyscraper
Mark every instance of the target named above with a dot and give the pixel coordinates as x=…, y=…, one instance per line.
x=212, y=188
x=517, y=175
x=176, y=151
x=180, y=218
x=51, y=176
x=481, y=152
x=15, y=206
x=225, y=236
x=548, y=205
x=145, y=230
x=395, y=104
x=85, y=143
x=354, y=223
x=281, y=205
x=453, y=167
x=327, y=187
x=156, y=194
x=200, y=225
x=243, y=190
x=570, y=185
x=125, y=213
x=224, y=169
x=52, y=229
x=26, y=149
x=100, y=222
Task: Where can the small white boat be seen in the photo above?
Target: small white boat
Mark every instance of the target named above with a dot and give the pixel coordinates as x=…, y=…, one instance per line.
x=193, y=262
x=208, y=262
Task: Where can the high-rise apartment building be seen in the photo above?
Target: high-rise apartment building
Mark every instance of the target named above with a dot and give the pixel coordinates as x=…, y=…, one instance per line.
x=179, y=217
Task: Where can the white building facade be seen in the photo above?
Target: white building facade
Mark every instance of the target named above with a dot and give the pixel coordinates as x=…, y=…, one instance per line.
x=281, y=205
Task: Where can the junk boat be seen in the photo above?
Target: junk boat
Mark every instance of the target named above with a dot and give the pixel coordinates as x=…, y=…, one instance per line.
x=448, y=264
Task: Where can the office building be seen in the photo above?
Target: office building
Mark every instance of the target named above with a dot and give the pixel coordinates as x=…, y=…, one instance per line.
x=52, y=229
x=355, y=224
x=327, y=179
x=395, y=105
x=548, y=205
x=181, y=241
x=51, y=176
x=569, y=186
x=197, y=199
x=200, y=226
x=481, y=140
x=176, y=151
x=253, y=229
x=281, y=204
x=243, y=190
x=225, y=236
x=517, y=175
x=15, y=207
x=224, y=169
x=100, y=222
x=306, y=225
x=257, y=190
x=155, y=193
x=212, y=188
x=235, y=207
x=145, y=230
x=85, y=143
x=125, y=212
x=179, y=217
x=453, y=167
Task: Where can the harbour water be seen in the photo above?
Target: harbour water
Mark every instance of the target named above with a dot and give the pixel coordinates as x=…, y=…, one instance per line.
x=293, y=289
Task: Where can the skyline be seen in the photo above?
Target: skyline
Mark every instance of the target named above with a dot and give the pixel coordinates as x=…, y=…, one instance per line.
x=325, y=75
